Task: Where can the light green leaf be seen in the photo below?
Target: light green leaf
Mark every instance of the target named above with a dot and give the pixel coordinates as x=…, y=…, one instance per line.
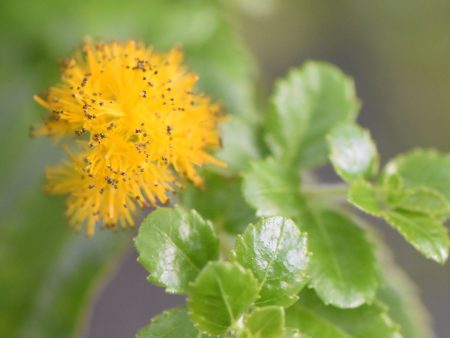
x=364, y=196
x=239, y=145
x=393, y=188
x=352, y=152
x=174, y=323
x=226, y=208
x=265, y=322
x=426, y=234
x=423, y=168
x=412, y=214
x=174, y=245
x=339, y=276
x=316, y=319
x=426, y=201
x=289, y=120
x=220, y=295
x=276, y=252
x=293, y=333
x=272, y=189
x=308, y=104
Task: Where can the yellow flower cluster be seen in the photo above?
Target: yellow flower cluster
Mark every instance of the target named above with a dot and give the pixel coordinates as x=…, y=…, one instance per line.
x=139, y=126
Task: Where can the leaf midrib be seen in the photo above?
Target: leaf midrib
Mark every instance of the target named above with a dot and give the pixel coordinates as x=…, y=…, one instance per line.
x=179, y=249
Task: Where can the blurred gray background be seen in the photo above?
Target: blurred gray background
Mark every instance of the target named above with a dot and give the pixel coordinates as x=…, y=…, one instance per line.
x=398, y=52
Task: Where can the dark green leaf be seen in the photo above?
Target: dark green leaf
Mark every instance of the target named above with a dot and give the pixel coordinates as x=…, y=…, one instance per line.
x=308, y=104
x=221, y=201
x=174, y=245
x=174, y=323
x=276, y=252
x=272, y=188
x=220, y=295
x=316, y=319
x=353, y=152
x=265, y=322
x=339, y=276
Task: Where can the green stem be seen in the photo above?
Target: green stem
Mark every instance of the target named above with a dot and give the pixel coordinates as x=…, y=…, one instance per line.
x=326, y=192
x=225, y=242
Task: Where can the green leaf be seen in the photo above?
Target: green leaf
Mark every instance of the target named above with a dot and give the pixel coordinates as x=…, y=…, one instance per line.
x=426, y=201
x=220, y=295
x=339, y=276
x=271, y=188
x=293, y=333
x=226, y=208
x=308, y=104
x=316, y=319
x=49, y=271
x=174, y=245
x=393, y=188
x=402, y=297
x=239, y=145
x=426, y=234
x=289, y=121
x=412, y=214
x=276, y=252
x=265, y=322
x=353, y=152
x=174, y=323
x=364, y=196
x=423, y=169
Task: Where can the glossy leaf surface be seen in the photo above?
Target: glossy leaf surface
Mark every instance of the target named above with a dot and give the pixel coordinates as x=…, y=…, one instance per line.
x=352, y=152
x=174, y=245
x=339, y=276
x=276, y=252
x=220, y=295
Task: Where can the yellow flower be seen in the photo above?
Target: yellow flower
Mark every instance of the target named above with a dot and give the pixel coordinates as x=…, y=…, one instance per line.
x=139, y=127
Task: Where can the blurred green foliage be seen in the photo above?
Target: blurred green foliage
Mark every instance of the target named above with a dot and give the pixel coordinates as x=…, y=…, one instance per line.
x=48, y=272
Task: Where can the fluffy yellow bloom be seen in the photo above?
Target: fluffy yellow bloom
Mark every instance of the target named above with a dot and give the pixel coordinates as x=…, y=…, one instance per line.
x=139, y=127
